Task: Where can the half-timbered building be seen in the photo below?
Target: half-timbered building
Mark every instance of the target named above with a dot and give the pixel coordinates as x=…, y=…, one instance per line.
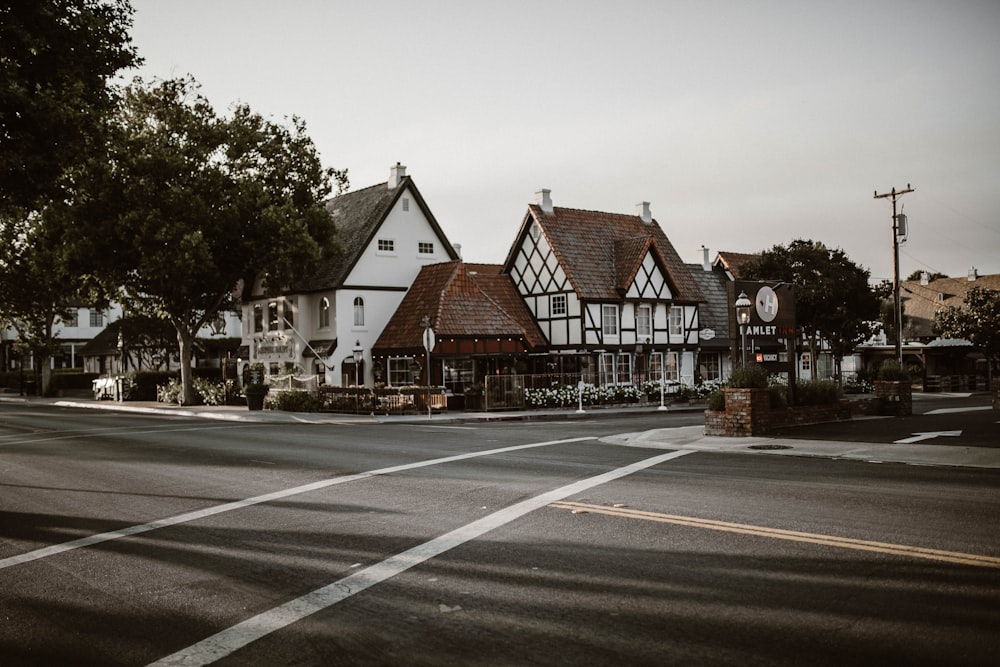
x=609, y=293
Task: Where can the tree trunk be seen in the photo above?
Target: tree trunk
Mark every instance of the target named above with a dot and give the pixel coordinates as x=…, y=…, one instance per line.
x=185, y=344
x=45, y=374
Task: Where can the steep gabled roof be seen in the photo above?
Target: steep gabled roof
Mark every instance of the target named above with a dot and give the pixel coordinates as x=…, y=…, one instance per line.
x=461, y=300
x=600, y=252
x=357, y=216
x=732, y=262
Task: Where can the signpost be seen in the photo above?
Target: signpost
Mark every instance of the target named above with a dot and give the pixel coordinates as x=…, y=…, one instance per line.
x=429, y=342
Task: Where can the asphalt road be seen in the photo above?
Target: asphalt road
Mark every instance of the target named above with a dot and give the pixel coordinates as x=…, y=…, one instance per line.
x=131, y=539
x=960, y=421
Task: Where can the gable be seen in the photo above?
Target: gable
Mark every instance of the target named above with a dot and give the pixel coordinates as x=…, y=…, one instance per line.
x=649, y=281
x=601, y=253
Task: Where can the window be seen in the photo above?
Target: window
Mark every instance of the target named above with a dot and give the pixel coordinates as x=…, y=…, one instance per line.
x=258, y=318
x=96, y=318
x=399, y=371
x=606, y=370
x=289, y=309
x=386, y=245
x=406, y=203
x=425, y=248
x=806, y=362
x=676, y=320
x=557, y=304
x=644, y=322
x=324, y=313
x=359, y=312
x=72, y=318
x=272, y=316
x=672, y=370
x=709, y=367
x=656, y=366
x=609, y=320
x=624, y=374
x=458, y=374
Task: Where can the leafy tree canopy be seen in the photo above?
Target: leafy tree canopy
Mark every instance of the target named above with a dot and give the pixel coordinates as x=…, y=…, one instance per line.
x=56, y=57
x=833, y=299
x=977, y=321
x=189, y=203
x=916, y=275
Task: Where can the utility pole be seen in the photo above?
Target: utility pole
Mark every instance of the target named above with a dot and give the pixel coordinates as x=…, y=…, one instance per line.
x=898, y=311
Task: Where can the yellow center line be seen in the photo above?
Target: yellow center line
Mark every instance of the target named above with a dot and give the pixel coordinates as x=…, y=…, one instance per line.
x=792, y=535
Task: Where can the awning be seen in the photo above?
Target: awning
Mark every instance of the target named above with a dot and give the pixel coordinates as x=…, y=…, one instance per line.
x=322, y=347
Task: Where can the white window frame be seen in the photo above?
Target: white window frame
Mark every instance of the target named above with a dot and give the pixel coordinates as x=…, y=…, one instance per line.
x=609, y=320
x=385, y=246
x=96, y=318
x=623, y=368
x=676, y=321
x=557, y=305
x=324, y=313
x=359, y=311
x=397, y=371
x=644, y=322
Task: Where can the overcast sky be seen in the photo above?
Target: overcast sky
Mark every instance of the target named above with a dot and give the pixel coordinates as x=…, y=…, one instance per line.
x=745, y=124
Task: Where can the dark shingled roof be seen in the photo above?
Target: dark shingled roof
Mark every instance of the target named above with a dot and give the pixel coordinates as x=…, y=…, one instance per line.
x=462, y=300
x=600, y=252
x=714, y=313
x=357, y=216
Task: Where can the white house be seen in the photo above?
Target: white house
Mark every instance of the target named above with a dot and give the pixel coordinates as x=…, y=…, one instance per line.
x=386, y=233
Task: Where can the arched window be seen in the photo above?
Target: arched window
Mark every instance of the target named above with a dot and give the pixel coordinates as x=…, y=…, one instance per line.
x=359, y=312
x=324, y=313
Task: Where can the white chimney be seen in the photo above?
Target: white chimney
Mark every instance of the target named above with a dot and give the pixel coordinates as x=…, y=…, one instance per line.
x=642, y=210
x=706, y=264
x=396, y=175
x=924, y=278
x=973, y=274
x=458, y=249
x=543, y=198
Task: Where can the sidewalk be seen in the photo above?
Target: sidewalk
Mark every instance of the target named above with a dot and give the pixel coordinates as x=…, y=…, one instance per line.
x=687, y=437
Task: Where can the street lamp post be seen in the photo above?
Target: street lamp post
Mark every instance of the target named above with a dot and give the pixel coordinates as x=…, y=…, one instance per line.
x=743, y=306
x=359, y=354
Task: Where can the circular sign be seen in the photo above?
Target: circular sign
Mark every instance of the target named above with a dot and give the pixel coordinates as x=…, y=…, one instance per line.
x=766, y=304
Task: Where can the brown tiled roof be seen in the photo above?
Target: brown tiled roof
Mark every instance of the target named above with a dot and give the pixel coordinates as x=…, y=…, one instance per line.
x=461, y=300
x=920, y=302
x=734, y=261
x=599, y=251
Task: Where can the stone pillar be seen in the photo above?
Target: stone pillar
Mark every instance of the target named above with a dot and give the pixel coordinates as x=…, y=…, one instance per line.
x=895, y=397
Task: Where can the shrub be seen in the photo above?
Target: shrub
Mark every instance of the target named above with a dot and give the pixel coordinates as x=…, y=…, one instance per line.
x=717, y=401
x=817, y=393
x=296, y=401
x=893, y=371
x=750, y=376
x=209, y=391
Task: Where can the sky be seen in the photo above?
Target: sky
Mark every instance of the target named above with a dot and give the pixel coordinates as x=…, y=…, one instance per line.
x=745, y=124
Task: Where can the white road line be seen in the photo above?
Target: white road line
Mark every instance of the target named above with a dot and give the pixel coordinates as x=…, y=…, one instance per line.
x=256, y=500
x=231, y=639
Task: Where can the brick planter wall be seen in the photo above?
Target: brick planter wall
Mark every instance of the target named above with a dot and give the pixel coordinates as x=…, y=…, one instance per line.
x=895, y=397
x=748, y=412
x=743, y=419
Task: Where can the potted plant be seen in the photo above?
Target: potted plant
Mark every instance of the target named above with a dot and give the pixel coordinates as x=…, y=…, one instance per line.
x=255, y=394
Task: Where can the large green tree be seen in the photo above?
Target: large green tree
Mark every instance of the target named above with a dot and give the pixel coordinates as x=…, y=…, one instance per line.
x=833, y=300
x=189, y=203
x=38, y=286
x=977, y=320
x=56, y=58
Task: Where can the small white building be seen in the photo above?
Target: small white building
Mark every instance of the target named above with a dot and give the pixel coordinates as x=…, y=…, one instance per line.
x=385, y=233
